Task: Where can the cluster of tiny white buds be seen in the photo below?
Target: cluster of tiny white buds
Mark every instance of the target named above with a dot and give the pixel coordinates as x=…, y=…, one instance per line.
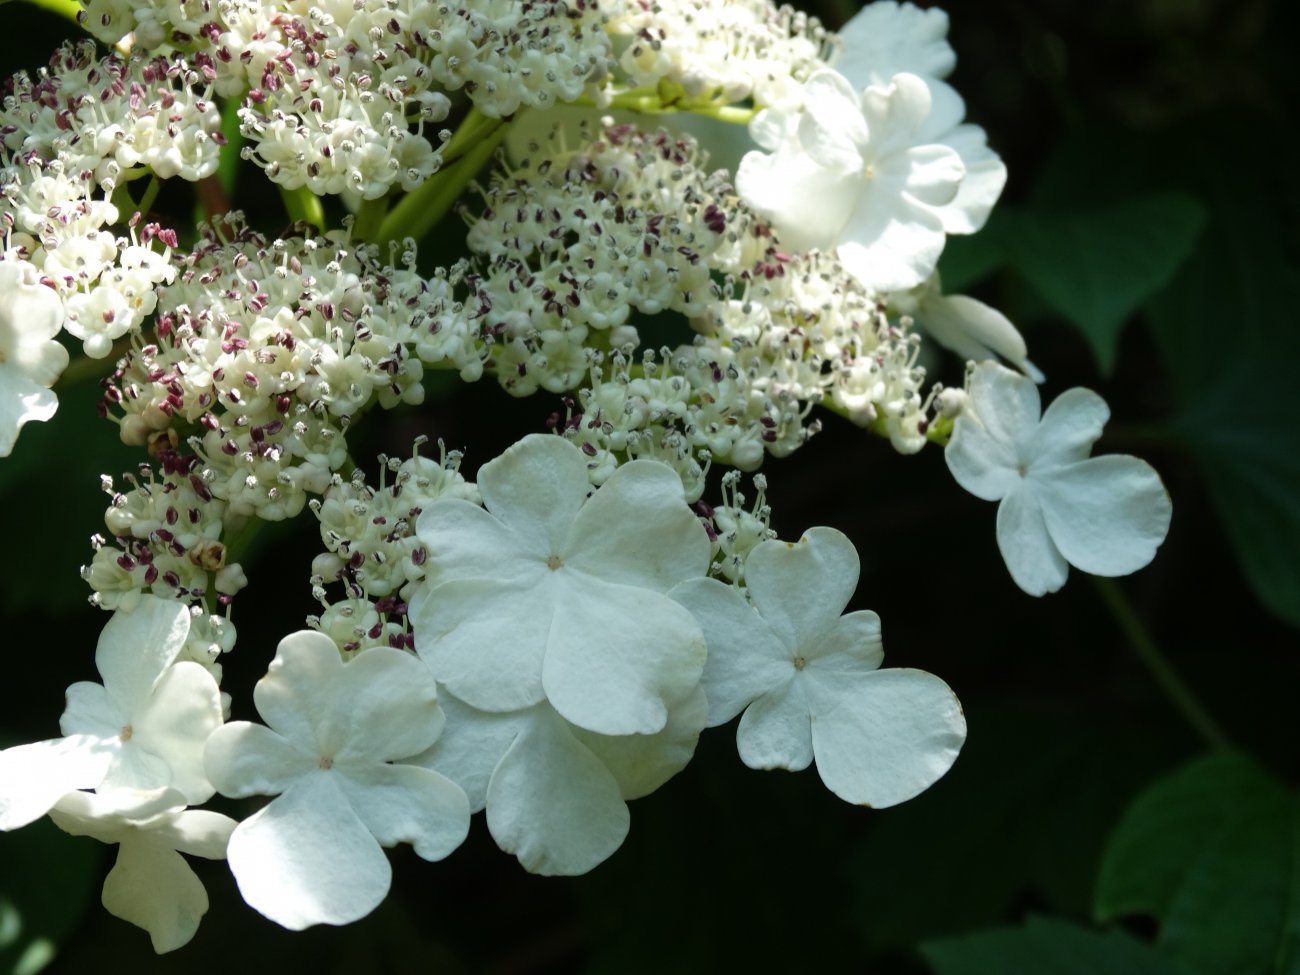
x=734, y=528
x=371, y=547
x=166, y=538
x=720, y=53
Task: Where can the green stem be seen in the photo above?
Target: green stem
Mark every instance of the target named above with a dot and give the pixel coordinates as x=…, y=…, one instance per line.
x=150, y=194
x=1146, y=649
x=68, y=9
x=648, y=102
x=421, y=209
x=370, y=216
x=304, y=205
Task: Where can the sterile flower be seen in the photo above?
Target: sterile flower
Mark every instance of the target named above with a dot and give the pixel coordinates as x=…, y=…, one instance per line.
x=548, y=595
x=143, y=728
x=30, y=360
x=808, y=679
x=1104, y=515
x=150, y=885
x=854, y=173
x=556, y=795
x=153, y=712
x=313, y=854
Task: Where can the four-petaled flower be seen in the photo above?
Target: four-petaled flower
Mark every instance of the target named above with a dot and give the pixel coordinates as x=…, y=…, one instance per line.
x=809, y=679
x=549, y=595
x=336, y=731
x=1105, y=515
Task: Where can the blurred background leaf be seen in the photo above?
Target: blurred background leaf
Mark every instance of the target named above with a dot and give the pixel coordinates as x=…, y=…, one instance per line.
x=1212, y=852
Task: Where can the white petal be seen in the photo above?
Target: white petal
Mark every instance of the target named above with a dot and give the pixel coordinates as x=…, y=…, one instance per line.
x=884, y=38
x=926, y=174
x=306, y=858
x=486, y=641
x=775, y=731
x=1070, y=426
x=1034, y=561
x=152, y=887
x=407, y=804
x=21, y=401
x=972, y=329
x=297, y=697
x=553, y=804
x=464, y=541
x=175, y=723
x=851, y=648
x=745, y=657
x=386, y=707
x=982, y=463
x=34, y=777
x=243, y=759
x=895, y=113
x=1006, y=403
x=832, y=128
x=884, y=737
x=637, y=530
x=986, y=176
x=1106, y=515
x=807, y=204
x=471, y=745
x=91, y=711
x=136, y=647
x=536, y=487
x=801, y=588
x=617, y=656
x=198, y=832
x=890, y=244
x=642, y=763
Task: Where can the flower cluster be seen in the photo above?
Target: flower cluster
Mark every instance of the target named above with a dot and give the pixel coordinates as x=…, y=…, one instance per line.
x=544, y=636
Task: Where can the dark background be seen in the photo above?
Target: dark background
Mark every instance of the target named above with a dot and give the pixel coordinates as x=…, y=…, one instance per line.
x=725, y=867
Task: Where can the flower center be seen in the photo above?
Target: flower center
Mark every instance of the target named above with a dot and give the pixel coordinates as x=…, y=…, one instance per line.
x=1023, y=470
x=800, y=663
x=869, y=172
x=126, y=733
x=327, y=761
x=553, y=562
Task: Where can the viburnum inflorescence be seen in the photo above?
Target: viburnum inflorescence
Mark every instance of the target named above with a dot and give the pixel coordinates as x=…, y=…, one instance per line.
x=542, y=635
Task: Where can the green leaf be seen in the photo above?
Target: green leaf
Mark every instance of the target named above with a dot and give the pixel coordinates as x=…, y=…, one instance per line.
x=1047, y=947
x=1227, y=330
x=1213, y=853
x=1096, y=266
x=1031, y=828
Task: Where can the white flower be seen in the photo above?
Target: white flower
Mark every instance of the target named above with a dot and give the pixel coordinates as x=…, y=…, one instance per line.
x=854, y=173
x=887, y=38
x=144, y=728
x=153, y=712
x=1104, y=515
x=30, y=360
x=556, y=795
x=313, y=854
x=549, y=595
x=808, y=679
x=150, y=885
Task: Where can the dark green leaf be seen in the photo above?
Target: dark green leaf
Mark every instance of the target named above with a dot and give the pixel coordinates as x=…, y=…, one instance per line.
x=1047, y=947
x=1096, y=267
x=1213, y=853
x=1226, y=328
x=1029, y=827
